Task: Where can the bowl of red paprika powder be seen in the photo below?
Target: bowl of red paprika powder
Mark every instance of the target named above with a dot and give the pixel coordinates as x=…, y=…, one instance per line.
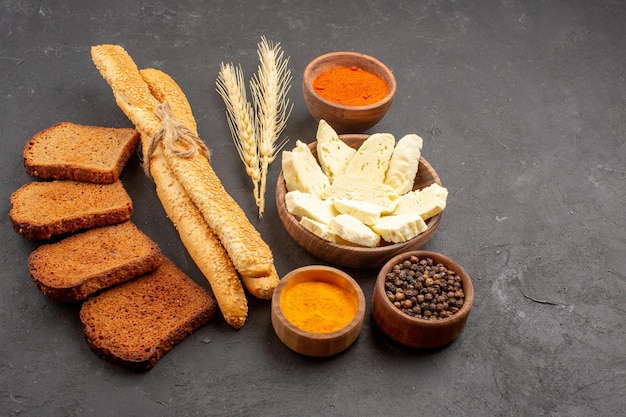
x=318, y=310
x=349, y=90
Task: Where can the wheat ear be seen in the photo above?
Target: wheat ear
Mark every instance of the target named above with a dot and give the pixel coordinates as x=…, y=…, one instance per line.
x=240, y=115
x=269, y=88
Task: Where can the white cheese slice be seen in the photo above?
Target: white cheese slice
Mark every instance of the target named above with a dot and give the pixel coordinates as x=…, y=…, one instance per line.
x=432, y=200
x=407, y=204
x=426, y=202
x=357, y=188
x=351, y=229
x=289, y=172
x=366, y=212
x=320, y=229
x=303, y=170
x=399, y=228
x=372, y=158
x=307, y=205
x=404, y=163
x=333, y=154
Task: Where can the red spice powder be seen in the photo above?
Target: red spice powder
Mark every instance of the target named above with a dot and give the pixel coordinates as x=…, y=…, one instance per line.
x=350, y=86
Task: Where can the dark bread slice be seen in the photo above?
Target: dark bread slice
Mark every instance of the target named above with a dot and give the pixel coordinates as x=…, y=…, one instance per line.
x=42, y=209
x=80, y=265
x=136, y=323
x=70, y=151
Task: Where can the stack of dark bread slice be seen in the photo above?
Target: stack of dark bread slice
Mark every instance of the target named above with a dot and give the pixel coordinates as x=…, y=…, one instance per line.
x=136, y=304
x=84, y=164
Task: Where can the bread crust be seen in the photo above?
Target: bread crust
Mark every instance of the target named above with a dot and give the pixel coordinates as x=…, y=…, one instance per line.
x=40, y=210
x=73, y=268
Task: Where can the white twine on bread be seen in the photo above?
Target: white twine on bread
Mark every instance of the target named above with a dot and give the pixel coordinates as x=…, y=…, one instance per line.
x=177, y=137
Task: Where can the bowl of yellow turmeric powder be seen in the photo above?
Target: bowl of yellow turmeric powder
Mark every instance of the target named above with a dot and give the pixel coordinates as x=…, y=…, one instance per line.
x=349, y=90
x=318, y=310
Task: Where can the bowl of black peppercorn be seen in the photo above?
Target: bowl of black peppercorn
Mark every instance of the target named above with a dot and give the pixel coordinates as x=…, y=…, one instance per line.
x=422, y=299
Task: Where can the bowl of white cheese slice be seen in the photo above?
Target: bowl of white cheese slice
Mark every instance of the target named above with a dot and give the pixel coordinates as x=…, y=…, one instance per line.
x=357, y=200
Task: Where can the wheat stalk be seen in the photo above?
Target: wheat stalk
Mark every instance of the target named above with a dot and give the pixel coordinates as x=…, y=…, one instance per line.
x=240, y=115
x=256, y=127
x=269, y=88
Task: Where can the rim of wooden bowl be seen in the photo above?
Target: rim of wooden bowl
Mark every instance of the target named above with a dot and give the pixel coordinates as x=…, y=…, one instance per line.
x=320, y=342
x=335, y=59
x=382, y=253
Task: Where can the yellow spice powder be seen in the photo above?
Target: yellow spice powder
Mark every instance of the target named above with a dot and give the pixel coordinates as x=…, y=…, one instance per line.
x=318, y=306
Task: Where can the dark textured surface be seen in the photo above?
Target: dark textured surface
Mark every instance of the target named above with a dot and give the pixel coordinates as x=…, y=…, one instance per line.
x=522, y=107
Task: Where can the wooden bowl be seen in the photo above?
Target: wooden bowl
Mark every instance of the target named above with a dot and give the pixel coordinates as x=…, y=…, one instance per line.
x=415, y=332
x=342, y=118
x=317, y=344
x=353, y=256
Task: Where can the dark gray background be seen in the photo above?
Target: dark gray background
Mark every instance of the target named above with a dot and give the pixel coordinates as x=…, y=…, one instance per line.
x=522, y=107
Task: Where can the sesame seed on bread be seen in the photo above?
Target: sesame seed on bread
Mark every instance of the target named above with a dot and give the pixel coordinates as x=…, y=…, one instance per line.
x=41, y=209
x=80, y=153
x=75, y=267
x=137, y=322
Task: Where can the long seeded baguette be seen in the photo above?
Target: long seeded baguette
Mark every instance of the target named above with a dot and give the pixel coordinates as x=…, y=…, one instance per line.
x=164, y=88
x=203, y=245
x=249, y=253
x=201, y=242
